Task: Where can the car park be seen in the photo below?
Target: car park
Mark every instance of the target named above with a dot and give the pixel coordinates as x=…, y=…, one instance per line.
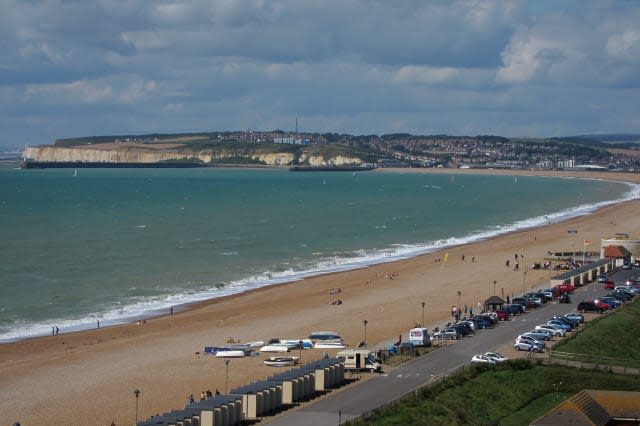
x=496, y=356
x=482, y=359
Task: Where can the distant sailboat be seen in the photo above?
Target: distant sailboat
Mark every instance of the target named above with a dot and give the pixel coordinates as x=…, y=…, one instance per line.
x=515, y=179
x=75, y=172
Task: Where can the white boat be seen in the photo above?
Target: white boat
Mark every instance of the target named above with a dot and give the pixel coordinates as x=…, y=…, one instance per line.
x=230, y=354
x=281, y=361
x=255, y=345
x=329, y=345
x=274, y=348
x=295, y=343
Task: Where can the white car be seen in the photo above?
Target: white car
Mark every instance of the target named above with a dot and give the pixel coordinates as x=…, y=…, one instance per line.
x=556, y=331
x=482, y=359
x=530, y=340
x=495, y=356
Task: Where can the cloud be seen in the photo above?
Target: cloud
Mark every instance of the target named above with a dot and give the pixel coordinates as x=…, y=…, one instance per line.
x=370, y=66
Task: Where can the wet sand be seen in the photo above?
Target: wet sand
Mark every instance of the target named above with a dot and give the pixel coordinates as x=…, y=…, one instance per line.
x=89, y=377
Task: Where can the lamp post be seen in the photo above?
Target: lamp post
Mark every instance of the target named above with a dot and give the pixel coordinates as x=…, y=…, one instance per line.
x=226, y=377
x=300, y=343
x=494, y=288
x=459, y=294
x=365, y=322
x=137, y=394
x=422, y=323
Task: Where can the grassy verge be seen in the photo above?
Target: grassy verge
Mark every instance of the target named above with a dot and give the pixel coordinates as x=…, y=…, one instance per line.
x=515, y=393
x=610, y=340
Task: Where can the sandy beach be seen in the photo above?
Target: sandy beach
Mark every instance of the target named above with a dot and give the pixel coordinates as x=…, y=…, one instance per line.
x=88, y=378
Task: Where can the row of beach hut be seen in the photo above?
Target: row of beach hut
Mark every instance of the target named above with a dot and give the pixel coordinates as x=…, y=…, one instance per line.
x=259, y=399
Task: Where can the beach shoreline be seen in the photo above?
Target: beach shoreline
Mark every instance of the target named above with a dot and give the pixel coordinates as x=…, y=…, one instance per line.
x=44, y=376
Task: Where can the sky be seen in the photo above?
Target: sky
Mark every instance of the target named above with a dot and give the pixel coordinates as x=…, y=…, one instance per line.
x=512, y=68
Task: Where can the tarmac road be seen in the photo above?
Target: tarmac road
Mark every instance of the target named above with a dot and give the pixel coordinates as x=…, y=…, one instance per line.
x=384, y=388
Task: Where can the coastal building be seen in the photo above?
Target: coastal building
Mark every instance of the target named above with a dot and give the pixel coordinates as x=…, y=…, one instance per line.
x=621, y=240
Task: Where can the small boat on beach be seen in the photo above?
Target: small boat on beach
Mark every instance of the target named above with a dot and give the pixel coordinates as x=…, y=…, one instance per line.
x=230, y=354
x=329, y=344
x=281, y=361
x=274, y=348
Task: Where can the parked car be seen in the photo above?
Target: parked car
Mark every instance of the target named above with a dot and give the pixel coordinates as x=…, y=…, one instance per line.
x=447, y=333
x=514, y=309
x=564, y=298
x=577, y=316
x=557, y=331
x=612, y=302
x=622, y=294
x=558, y=323
x=609, y=285
x=548, y=294
x=538, y=334
x=530, y=340
x=602, y=278
x=565, y=287
x=496, y=356
x=470, y=324
x=626, y=265
x=566, y=321
x=463, y=329
x=573, y=320
x=502, y=315
x=482, y=322
x=520, y=345
x=589, y=306
x=629, y=289
x=482, y=359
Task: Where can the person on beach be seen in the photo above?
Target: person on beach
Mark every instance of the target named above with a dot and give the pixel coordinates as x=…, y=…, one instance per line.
x=217, y=392
x=473, y=259
x=191, y=401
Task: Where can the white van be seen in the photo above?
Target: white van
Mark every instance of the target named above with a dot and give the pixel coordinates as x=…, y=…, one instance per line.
x=419, y=337
x=360, y=360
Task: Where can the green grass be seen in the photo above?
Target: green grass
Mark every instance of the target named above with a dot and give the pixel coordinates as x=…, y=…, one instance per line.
x=611, y=340
x=510, y=394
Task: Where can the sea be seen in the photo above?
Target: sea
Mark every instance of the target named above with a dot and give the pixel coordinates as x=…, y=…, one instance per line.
x=117, y=245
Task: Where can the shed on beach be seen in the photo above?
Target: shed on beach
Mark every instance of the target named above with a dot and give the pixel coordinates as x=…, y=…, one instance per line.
x=618, y=254
x=494, y=303
x=584, y=274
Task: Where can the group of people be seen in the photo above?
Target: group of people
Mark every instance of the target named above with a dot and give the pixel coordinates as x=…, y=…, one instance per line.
x=203, y=395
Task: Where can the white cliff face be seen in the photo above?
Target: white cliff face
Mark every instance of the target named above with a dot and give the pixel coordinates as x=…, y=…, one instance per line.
x=128, y=154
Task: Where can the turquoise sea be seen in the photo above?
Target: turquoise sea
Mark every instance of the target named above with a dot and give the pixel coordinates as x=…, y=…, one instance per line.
x=120, y=244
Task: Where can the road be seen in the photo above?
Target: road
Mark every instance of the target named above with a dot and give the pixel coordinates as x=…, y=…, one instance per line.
x=384, y=388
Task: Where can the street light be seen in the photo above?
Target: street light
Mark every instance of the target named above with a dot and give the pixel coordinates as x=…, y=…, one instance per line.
x=494, y=288
x=137, y=394
x=300, y=343
x=459, y=294
x=365, y=322
x=226, y=377
x=423, y=303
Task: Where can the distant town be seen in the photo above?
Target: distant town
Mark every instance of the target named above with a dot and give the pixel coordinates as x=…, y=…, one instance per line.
x=619, y=152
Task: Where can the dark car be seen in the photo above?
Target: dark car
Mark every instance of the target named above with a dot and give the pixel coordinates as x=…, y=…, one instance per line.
x=514, y=309
x=481, y=322
x=564, y=298
x=589, y=307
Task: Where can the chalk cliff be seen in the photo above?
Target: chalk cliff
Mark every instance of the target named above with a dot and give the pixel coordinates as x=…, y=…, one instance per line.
x=153, y=154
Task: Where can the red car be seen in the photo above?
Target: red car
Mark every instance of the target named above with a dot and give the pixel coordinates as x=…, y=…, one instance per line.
x=502, y=315
x=609, y=285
